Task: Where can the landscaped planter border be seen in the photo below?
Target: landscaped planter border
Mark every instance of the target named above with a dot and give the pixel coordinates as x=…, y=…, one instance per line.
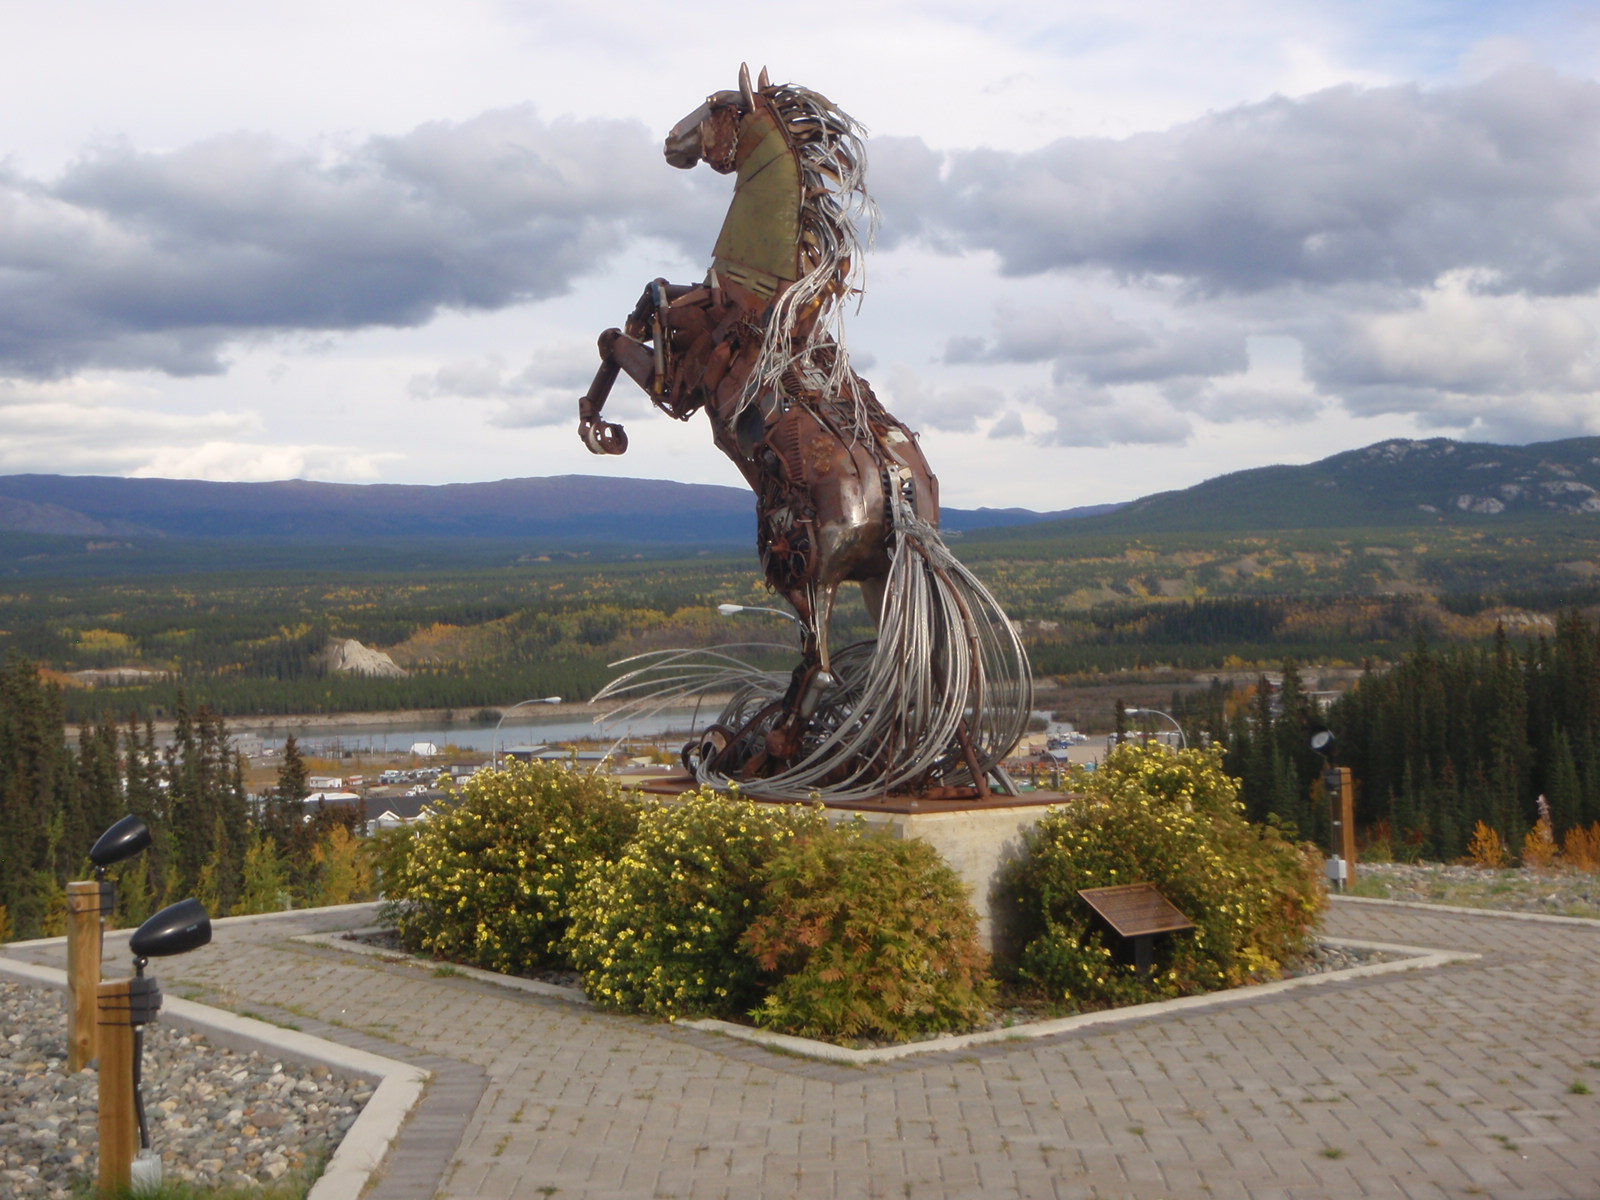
x=1406, y=958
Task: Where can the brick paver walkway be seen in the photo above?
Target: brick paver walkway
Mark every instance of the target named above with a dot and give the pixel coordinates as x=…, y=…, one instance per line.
x=1467, y=1080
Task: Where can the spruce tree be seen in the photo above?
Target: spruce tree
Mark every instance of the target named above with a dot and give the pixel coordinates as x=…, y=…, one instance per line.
x=265, y=883
x=35, y=791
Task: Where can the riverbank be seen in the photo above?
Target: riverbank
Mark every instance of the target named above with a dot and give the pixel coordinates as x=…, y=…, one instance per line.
x=401, y=718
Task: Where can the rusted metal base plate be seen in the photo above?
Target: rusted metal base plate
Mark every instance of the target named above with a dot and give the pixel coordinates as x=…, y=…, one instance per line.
x=950, y=800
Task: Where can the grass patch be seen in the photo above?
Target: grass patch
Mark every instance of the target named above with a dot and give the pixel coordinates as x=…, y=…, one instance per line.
x=291, y=1187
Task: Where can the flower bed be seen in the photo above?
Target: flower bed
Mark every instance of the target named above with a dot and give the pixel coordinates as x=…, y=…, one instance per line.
x=715, y=905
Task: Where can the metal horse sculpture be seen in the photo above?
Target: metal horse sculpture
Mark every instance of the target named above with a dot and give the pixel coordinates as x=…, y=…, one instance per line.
x=843, y=492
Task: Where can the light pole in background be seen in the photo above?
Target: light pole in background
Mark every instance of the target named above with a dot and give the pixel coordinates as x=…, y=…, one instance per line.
x=495, y=758
x=729, y=610
x=1183, y=743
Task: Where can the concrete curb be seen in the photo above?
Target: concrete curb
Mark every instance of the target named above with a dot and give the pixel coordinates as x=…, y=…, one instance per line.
x=336, y=941
x=365, y=1144
x=1416, y=958
x=288, y=914
x=1504, y=914
x=1412, y=958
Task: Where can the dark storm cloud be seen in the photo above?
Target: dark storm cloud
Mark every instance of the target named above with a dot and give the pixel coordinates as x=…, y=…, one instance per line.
x=1392, y=185
x=135, y=259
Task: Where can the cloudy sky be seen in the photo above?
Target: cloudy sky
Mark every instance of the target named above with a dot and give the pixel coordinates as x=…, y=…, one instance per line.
x=374, y=242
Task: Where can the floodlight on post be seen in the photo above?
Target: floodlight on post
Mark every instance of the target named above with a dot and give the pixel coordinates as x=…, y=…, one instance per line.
x=126, y=1006
x=88, y=902
x=494, y=757
x=122, y=841
x=1183, y=742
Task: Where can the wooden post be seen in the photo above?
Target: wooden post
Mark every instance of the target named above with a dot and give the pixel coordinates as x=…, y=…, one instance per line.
x=1341, y=788
x=84, y=927
x=119, y=1123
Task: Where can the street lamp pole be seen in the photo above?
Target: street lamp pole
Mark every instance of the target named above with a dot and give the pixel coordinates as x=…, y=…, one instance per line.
x=495, y=757
x=729, y=610
x=1183, y=743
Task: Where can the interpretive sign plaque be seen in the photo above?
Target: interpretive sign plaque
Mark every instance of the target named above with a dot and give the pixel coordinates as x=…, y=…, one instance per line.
x=1138, y=912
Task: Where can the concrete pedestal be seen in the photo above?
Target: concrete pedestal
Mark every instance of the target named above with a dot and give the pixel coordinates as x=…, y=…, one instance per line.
x=978, y=842
x=976, y=837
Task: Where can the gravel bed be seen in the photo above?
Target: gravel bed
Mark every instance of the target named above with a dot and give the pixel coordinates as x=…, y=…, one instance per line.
x=1519, y=889
x=215, y=1116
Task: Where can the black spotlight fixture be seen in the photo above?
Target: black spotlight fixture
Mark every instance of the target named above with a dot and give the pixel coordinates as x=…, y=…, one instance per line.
x=176, y=929
x=119, y=843
x=1323, y=742
x=123, y=840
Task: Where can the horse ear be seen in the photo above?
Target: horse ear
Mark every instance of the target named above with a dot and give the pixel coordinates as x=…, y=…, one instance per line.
x=762, y=81
x=744, y=87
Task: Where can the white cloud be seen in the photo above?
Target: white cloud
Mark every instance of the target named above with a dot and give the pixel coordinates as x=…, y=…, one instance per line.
x=1458, y=339
x=1010, y=425
x=142, y=259
x=545, y=392
x=1116, y=416
x=1099, y=223
x=953, y=407
x=1398, y=185
x=248, y=462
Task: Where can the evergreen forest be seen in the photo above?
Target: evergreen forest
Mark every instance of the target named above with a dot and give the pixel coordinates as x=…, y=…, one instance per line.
x=208, y=841
x=1446, y=738
x=486, y=631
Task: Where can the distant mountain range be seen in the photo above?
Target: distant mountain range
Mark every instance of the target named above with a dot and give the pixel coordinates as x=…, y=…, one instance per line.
x=561, y=509
x=1398, y=482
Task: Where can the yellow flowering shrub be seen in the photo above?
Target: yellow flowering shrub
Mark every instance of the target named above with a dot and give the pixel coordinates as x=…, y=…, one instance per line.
x=657, y=931
x=488, y=879
x=870, y=936
x=1175, y=821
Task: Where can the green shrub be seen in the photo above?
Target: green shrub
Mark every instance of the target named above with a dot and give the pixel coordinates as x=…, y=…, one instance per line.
x=488, y=879
x=1172, y=820
x=658, y=930
x=871, y=936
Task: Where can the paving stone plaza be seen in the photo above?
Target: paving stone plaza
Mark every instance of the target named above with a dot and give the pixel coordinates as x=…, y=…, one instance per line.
x=1462, y=1080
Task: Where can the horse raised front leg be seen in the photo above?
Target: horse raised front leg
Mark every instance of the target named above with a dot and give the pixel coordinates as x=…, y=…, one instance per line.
x=618, y=353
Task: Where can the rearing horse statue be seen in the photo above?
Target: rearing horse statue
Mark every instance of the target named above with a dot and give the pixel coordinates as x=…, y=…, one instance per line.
x=843, y=492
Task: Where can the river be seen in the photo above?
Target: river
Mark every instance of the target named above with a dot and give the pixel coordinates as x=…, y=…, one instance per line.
x=335, y=739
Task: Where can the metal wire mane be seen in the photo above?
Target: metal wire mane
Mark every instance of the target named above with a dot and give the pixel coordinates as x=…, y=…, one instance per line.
x=831, y=151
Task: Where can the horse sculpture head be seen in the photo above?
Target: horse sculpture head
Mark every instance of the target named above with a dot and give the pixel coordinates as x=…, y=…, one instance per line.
x=791, y=235
x=710, y=133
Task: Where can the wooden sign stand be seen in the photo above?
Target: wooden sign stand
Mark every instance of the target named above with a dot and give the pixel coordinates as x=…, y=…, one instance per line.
x=84, y=932
x=119, y=1126
x=1339, y=783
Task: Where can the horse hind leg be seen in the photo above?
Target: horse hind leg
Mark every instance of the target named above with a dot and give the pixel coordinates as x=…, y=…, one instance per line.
x=823, y=677
x=810, y=681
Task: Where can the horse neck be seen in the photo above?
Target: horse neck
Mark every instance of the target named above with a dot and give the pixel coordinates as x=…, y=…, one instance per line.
x=759, y=246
